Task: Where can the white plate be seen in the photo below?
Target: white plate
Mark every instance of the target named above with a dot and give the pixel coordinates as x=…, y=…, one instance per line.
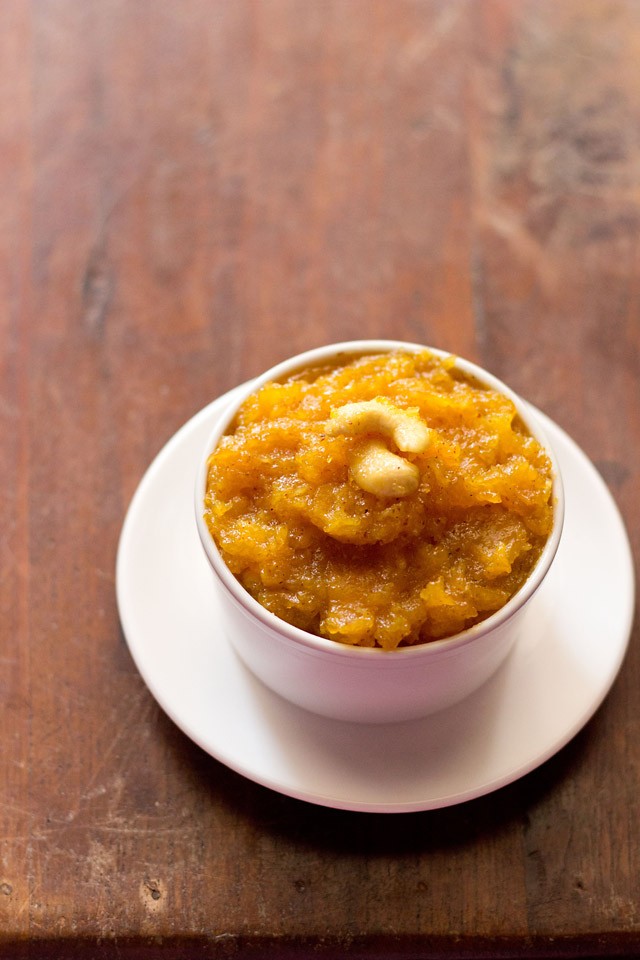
x=555, y=679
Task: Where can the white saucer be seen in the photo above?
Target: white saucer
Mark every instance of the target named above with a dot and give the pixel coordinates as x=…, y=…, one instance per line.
x=555, y=679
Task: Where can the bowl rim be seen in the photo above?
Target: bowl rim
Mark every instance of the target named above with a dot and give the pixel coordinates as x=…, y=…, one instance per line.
x=319, y=644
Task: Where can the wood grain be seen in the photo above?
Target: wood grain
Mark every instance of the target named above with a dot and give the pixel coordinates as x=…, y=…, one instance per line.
x=15, y=238
x=191, y=193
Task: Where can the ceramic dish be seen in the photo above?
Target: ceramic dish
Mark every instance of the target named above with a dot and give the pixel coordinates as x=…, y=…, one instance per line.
x=347, y=682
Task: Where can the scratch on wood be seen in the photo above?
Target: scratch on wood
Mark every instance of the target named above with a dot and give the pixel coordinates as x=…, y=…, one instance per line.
x=420, y=48
x=97, y=290
x=101, y=862
x=127, y=723
x=524, y=245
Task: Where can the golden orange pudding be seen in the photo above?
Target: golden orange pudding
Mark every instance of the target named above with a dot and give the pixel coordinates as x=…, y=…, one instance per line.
x=386, y=500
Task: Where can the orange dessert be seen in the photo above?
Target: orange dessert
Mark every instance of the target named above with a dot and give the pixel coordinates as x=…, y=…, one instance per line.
x=382, y=501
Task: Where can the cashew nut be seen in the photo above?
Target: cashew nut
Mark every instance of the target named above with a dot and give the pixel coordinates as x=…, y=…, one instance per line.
x=379, y=471
x=409, y=433
x=372, y=465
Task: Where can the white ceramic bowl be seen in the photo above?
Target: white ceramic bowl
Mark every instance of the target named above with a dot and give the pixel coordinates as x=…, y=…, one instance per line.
x=359, y=683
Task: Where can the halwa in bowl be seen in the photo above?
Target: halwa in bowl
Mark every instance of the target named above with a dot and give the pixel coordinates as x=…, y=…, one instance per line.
x=377, y=515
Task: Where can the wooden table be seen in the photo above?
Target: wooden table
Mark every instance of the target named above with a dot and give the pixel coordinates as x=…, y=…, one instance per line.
x=191, y=192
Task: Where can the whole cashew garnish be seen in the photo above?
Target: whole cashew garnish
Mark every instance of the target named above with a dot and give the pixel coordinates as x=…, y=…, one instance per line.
x=377, y=470
x=373, y=466
x=409, y=433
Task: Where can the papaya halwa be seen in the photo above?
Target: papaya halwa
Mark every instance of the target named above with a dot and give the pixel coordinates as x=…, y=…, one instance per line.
x=297, y=523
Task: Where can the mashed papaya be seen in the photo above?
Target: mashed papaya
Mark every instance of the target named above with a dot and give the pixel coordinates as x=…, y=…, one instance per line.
x=308, y=514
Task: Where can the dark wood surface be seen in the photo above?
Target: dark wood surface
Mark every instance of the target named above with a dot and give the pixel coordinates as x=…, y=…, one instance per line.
x=191, y=192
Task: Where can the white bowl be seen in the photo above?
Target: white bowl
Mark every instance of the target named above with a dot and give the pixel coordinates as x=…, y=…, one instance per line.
x=362, y=683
